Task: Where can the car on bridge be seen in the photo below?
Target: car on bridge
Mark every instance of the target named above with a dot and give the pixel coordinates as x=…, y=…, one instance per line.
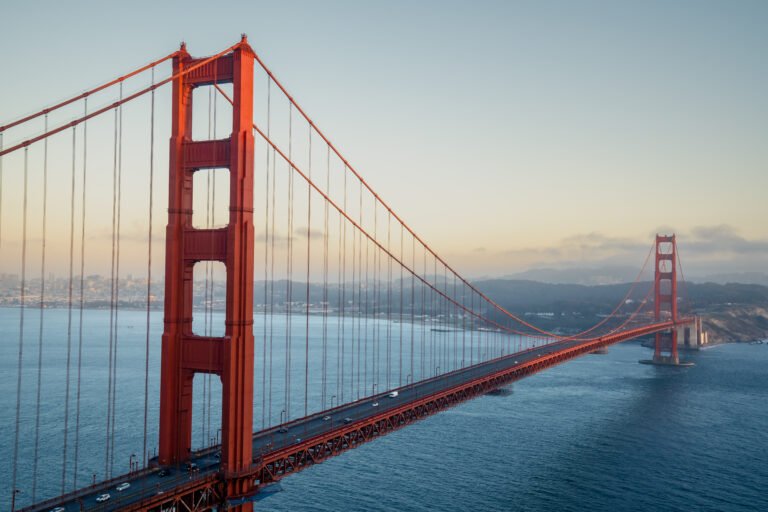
x=123, y=486
x=393, y=394
x=101, y=498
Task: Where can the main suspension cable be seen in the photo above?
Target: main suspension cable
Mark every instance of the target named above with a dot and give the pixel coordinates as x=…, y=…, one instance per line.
x=495, y=305
x=116, y=104
x=84, y=96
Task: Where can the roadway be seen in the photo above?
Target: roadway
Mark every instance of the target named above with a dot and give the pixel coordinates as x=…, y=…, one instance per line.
x=149, y=483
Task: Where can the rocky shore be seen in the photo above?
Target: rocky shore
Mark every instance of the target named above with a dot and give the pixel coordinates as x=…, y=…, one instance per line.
x=736, y=323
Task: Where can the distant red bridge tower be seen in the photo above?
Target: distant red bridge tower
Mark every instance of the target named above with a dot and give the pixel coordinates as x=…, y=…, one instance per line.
x=665, y=298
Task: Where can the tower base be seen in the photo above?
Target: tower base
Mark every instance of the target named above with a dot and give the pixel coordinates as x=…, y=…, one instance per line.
x=666, y=361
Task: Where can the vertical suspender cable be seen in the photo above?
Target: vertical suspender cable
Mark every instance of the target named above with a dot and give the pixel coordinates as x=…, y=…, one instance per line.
x=343, y=283
x=266, y=266
x=42, y=310
x=22, y=299
x=69, y=313
x=359, y=288
x=206, y=269
x=209, y=299
x=289, y=270
x=272, y=281
x=376, y=332
x=343, y=292
x=1, y=190
x=111, y=303
x=423, y=314
x=352, y=314
x=353, y=309
x=149, y=266
x=365, y=321
x=433, y=339
x=389, y=302
x=309, y=245
x=117, y=284
x=209, y=267
x=454, y=325
x=413, y=305
x=324, y=385
x=402, y=285
x=82, y=300
x=471, y=329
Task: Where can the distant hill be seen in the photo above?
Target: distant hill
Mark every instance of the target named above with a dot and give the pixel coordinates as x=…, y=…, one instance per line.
x=575, y=306
x=616, y=274
x=578, y=275
x=735, y=277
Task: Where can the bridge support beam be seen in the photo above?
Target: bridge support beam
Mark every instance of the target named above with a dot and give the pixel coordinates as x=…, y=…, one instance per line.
x=184, y=354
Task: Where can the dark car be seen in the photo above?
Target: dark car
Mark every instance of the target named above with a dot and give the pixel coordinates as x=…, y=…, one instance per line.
x=191, y=467
x=283, y=430
x=163, y=473
x=347, y=420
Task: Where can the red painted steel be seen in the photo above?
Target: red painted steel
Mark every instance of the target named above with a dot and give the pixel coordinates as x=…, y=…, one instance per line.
x=188, y=69
x=87, y=93
x=205, y=491
x=183, y=353
x=231, y=356
x=275, y=465
x=665, y=297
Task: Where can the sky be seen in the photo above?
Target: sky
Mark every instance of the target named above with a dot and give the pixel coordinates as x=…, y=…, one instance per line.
x=509, y=134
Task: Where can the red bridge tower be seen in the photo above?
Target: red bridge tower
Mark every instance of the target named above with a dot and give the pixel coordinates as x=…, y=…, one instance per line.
x=183, y=353
x=665, y=298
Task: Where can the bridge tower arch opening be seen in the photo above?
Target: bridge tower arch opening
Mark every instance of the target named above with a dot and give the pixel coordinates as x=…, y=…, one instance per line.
x=184, y=353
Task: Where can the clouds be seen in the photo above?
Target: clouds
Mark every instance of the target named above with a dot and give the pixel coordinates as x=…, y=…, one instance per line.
x=591, y=247
x=703, y=249
x=725, y=240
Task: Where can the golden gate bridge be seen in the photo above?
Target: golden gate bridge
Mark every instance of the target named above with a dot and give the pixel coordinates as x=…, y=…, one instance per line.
x=340, y=323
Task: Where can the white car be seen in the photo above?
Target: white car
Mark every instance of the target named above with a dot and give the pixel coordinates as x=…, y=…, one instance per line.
x=58, y=509
x=101, y=498
x=393, y=394
x=375, y=404
x=123, y=486
x=326, y=418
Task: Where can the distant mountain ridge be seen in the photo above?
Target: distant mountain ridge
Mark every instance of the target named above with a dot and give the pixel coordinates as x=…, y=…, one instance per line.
x=617, y=274
x=737, y=312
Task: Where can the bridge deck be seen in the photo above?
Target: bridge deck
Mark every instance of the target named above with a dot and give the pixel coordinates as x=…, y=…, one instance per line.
x=312, y=439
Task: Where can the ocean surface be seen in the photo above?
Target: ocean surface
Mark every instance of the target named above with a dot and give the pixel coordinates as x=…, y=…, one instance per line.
x=600, y=433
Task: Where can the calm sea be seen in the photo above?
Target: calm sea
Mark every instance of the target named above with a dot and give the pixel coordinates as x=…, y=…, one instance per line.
x=598, y=433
